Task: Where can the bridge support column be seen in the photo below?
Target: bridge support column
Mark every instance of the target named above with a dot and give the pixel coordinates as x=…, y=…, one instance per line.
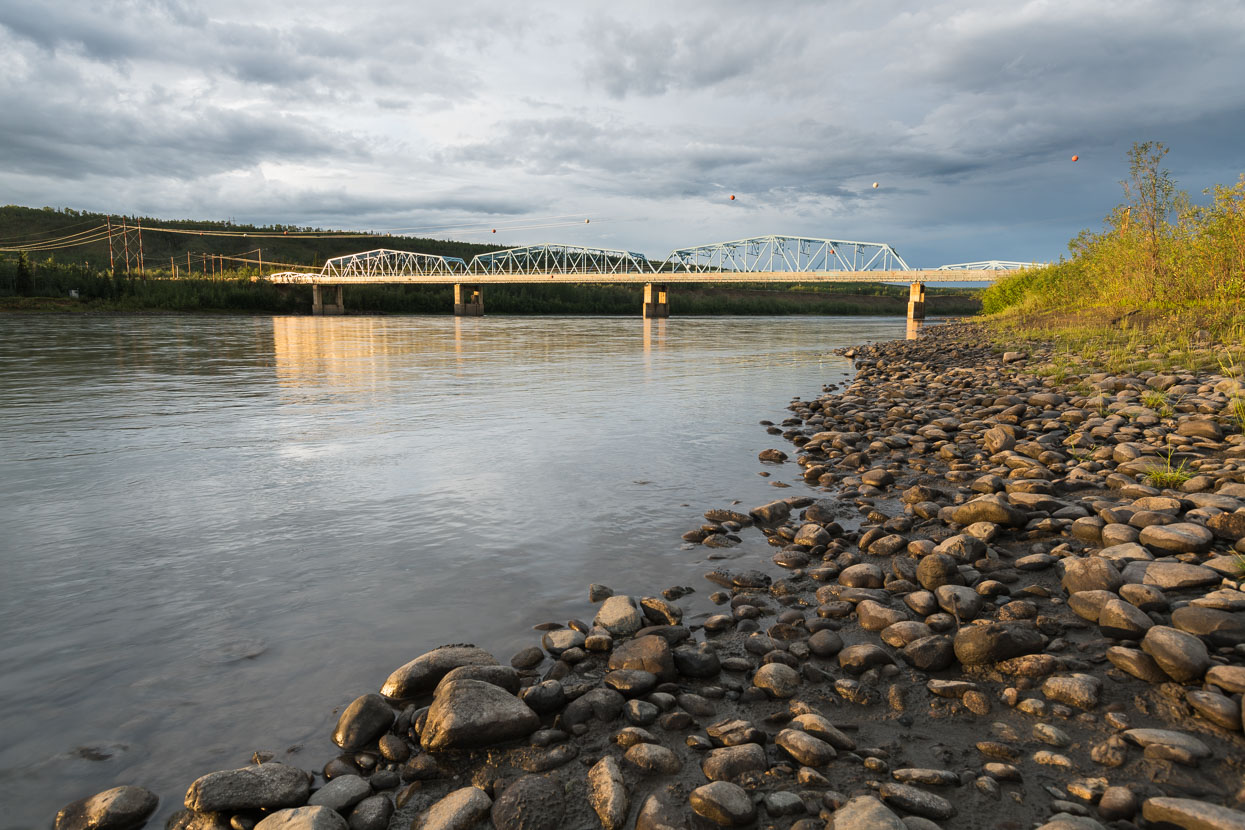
x=468, y=300
x=337, y=304
x=656, y=303
x=916, y=301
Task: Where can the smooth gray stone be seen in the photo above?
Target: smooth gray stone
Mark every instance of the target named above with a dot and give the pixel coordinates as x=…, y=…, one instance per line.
x=460, y=810
x=729, y=762
x=1170, y=576
x=864, y=812
x=468, y=714
x=724, y=804
x=304, y=818
x=915, y=800
x=806, y=749
x=119, y=808
x=371, y=813
x=262, y=787
x=1191, y=814
x=619, y=616
x=1180, y=655
x=1169, y=737
x=341, y=793
x=422, y=674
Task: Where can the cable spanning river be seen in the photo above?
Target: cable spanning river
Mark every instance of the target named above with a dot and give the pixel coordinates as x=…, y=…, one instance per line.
x=214, y=531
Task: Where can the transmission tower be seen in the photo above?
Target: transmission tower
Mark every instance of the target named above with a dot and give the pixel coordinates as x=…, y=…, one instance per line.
x=130, y=243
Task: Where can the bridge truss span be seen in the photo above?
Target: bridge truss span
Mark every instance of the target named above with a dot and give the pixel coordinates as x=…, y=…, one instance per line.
x=988, y=265
x=794, y=254
x=380, y=265
x=560, y=259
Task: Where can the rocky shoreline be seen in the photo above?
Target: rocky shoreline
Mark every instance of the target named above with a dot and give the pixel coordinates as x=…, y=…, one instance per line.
x=1003, y=597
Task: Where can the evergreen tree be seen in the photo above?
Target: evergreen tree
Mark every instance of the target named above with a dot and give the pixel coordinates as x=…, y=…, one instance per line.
x=25, y=278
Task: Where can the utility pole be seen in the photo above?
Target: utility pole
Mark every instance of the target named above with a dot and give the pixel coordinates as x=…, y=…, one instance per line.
x=142, y=266
x=125, y=236
x=111, y=262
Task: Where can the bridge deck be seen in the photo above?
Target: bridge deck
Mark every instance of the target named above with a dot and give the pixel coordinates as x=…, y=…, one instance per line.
x=667, y=277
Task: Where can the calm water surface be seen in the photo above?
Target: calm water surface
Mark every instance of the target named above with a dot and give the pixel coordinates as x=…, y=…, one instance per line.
x=215, y=531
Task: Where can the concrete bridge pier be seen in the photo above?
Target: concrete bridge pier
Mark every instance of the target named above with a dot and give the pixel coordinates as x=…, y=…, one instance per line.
x=916, y=301
x=656, y=303
x=468, y=300
x=319, y=307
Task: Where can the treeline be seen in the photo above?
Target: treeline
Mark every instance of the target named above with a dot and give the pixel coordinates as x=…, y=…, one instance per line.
x=239, y=292
x=1157, y=252
x=193, y=254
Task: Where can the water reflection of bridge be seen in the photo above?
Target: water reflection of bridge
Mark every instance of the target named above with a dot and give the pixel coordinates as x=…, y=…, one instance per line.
x=366, y=354
x=762, y=259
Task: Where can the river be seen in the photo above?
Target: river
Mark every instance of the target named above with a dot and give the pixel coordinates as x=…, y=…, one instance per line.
x=215, y=531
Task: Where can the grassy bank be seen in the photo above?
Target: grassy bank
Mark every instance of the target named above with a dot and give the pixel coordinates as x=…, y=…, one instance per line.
x=49, y=286
x=1161, y=285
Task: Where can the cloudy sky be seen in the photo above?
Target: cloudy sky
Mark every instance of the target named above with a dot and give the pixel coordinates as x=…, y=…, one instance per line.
x=455, y=118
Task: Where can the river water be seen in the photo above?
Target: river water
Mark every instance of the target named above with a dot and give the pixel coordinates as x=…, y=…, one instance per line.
x=216, y=531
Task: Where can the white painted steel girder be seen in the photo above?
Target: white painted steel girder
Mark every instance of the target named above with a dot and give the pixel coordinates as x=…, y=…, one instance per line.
x=988, y=265
x=797, y=254
x=550, y=258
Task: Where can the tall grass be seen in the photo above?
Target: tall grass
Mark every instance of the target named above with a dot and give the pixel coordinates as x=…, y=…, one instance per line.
x=1157, y=253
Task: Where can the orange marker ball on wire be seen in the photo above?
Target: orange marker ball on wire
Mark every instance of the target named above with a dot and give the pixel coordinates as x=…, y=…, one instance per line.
x=875, y=185
x=732, y=197
x=1075, y=158
x=494, y=230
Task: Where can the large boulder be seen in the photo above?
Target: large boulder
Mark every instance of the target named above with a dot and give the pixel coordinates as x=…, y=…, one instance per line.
x=261, y=787
x=363, y=721
x=421, y=675
x=466, y=714
x=120, y=808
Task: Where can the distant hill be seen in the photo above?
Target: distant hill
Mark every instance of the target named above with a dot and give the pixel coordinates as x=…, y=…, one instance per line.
x=48, y=228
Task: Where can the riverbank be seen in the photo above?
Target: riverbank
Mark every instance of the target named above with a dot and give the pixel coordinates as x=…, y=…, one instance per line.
x=949, y=628
x=242, y=295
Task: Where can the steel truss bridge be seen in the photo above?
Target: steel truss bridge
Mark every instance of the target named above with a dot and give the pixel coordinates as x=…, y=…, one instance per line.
x=754, y=260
